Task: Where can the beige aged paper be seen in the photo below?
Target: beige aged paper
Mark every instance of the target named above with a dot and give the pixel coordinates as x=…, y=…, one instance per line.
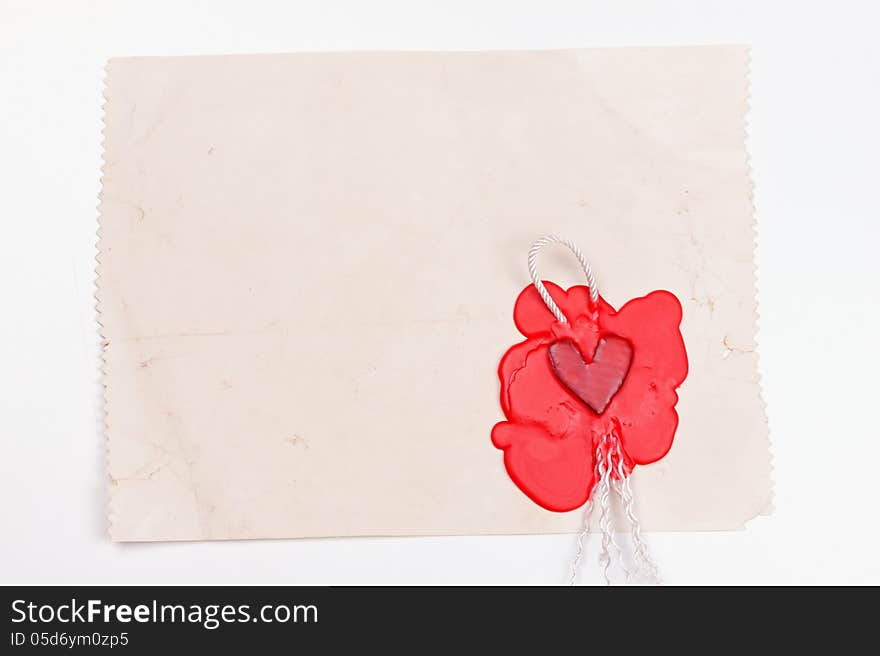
x=308, y=265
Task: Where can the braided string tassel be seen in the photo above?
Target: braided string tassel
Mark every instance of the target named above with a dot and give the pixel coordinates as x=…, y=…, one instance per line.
x=609, y=458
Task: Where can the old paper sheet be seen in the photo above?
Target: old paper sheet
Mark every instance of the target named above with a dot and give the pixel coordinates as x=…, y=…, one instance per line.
x=308, y=265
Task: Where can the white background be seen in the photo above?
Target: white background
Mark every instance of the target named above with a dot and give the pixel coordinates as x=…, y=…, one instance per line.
x=814, y=140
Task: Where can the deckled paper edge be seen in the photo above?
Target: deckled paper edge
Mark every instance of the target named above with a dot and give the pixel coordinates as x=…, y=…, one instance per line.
x=769, y=508
x=99, y=293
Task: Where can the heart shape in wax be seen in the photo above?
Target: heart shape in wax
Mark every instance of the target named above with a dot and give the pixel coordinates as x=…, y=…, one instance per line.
x=595, y=383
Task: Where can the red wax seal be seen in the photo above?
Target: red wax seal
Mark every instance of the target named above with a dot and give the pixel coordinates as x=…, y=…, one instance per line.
x=602, y=372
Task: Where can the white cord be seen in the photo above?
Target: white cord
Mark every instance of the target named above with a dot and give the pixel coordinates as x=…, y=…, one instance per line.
x=539, y=285
x=606, y=524
x=607, y=452
x=605, y=527
x=643, y=561
x=582, y=536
